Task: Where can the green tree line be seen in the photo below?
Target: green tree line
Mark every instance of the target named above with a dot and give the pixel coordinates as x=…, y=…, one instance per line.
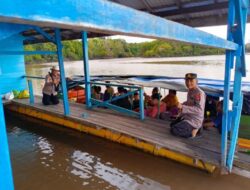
x=100, y=48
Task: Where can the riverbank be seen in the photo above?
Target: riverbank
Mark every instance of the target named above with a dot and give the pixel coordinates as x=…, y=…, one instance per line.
x=100, y=48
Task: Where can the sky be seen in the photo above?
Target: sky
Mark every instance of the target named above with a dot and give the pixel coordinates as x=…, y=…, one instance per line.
x=220, y=31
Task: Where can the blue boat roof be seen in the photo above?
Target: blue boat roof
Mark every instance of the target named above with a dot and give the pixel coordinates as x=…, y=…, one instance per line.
x=49, y=14
x=210, y=86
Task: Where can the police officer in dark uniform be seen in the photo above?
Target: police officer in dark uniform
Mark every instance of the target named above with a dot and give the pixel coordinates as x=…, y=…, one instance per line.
x=191, y=111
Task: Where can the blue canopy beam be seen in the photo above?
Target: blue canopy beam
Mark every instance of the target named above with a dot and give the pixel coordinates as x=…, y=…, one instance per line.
x=45, y=34
x=104, y=17
x=28, y=52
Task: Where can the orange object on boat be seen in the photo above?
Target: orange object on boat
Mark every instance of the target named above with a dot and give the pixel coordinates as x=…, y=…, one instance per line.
x=77, y=94
x=244, y=143
x=72, y=94
x=81, y=99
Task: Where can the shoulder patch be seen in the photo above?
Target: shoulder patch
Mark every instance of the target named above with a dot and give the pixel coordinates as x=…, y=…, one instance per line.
x=197, y=96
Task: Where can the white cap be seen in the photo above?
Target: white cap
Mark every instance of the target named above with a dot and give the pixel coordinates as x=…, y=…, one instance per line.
x=56, y=68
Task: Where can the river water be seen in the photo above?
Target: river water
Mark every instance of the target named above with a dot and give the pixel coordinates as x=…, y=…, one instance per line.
x=51, y=158
x=46, y=158
x=211, y=67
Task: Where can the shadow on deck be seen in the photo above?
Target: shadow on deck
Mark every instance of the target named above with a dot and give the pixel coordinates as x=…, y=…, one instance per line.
x=150, y=135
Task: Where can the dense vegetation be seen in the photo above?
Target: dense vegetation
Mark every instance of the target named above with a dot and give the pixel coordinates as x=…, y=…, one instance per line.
x=100, y=48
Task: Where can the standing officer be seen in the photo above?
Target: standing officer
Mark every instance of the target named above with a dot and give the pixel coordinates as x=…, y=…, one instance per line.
x=191, y=111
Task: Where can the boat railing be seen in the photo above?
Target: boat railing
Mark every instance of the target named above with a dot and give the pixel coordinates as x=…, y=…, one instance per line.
x=30, y=86
x=108, y=103
x=99, y=103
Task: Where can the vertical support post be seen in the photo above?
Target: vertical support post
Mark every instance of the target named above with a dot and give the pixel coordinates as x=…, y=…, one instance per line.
x=141, y=92
x=86, y=68
x=225, y=118
x=240, y=70
x=31, y=92
x=237, y=106
x=62, y=72
x=6, y=179
x=228, y=66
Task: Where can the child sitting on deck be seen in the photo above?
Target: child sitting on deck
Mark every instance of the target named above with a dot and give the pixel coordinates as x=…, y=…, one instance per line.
x=93, y=92
x=136, y=102
x=157, y=108
x=98, y=93
x=149, y=99
x=210, y=106
x=217, y=121
x=123, y=102
x=171, y=100
x=109, y=92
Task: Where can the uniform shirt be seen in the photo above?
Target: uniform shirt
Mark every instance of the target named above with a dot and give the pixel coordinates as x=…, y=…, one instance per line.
x=193, y=108
x=49, y=87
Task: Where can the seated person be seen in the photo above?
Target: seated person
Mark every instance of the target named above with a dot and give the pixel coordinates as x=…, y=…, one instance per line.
x=210, y=106
x=136, y=101
x=120, y=90
x=98, y=93
x=155, y=91
x=93, y=92
x=171, y=101
x=157, y=108
x=192, y=111
x=123, y=102
x=108, y=93
x=51, y=87
x=217, y=121
x=148, y=99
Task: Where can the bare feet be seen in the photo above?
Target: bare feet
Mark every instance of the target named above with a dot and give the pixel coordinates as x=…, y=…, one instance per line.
x=194, y=132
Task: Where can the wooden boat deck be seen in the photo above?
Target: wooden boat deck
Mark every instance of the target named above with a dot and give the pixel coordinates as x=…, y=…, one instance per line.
x=205, y=148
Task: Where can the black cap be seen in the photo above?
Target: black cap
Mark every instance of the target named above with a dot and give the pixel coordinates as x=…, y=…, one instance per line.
x=190, y=76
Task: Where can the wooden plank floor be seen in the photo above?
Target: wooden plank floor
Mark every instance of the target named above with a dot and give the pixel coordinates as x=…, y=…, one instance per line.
x=206, y=148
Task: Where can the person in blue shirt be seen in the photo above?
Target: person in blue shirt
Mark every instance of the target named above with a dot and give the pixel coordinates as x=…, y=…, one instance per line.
x=217, y=121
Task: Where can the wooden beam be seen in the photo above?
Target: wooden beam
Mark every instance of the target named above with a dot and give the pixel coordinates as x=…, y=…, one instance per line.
x=179, y=4
x=145, y=2
x=192, y=9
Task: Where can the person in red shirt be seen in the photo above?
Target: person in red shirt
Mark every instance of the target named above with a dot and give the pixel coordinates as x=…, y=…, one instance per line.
x=157, y=107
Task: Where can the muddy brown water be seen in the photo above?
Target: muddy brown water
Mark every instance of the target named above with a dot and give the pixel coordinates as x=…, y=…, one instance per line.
x=50, y=157
x=211, y=67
